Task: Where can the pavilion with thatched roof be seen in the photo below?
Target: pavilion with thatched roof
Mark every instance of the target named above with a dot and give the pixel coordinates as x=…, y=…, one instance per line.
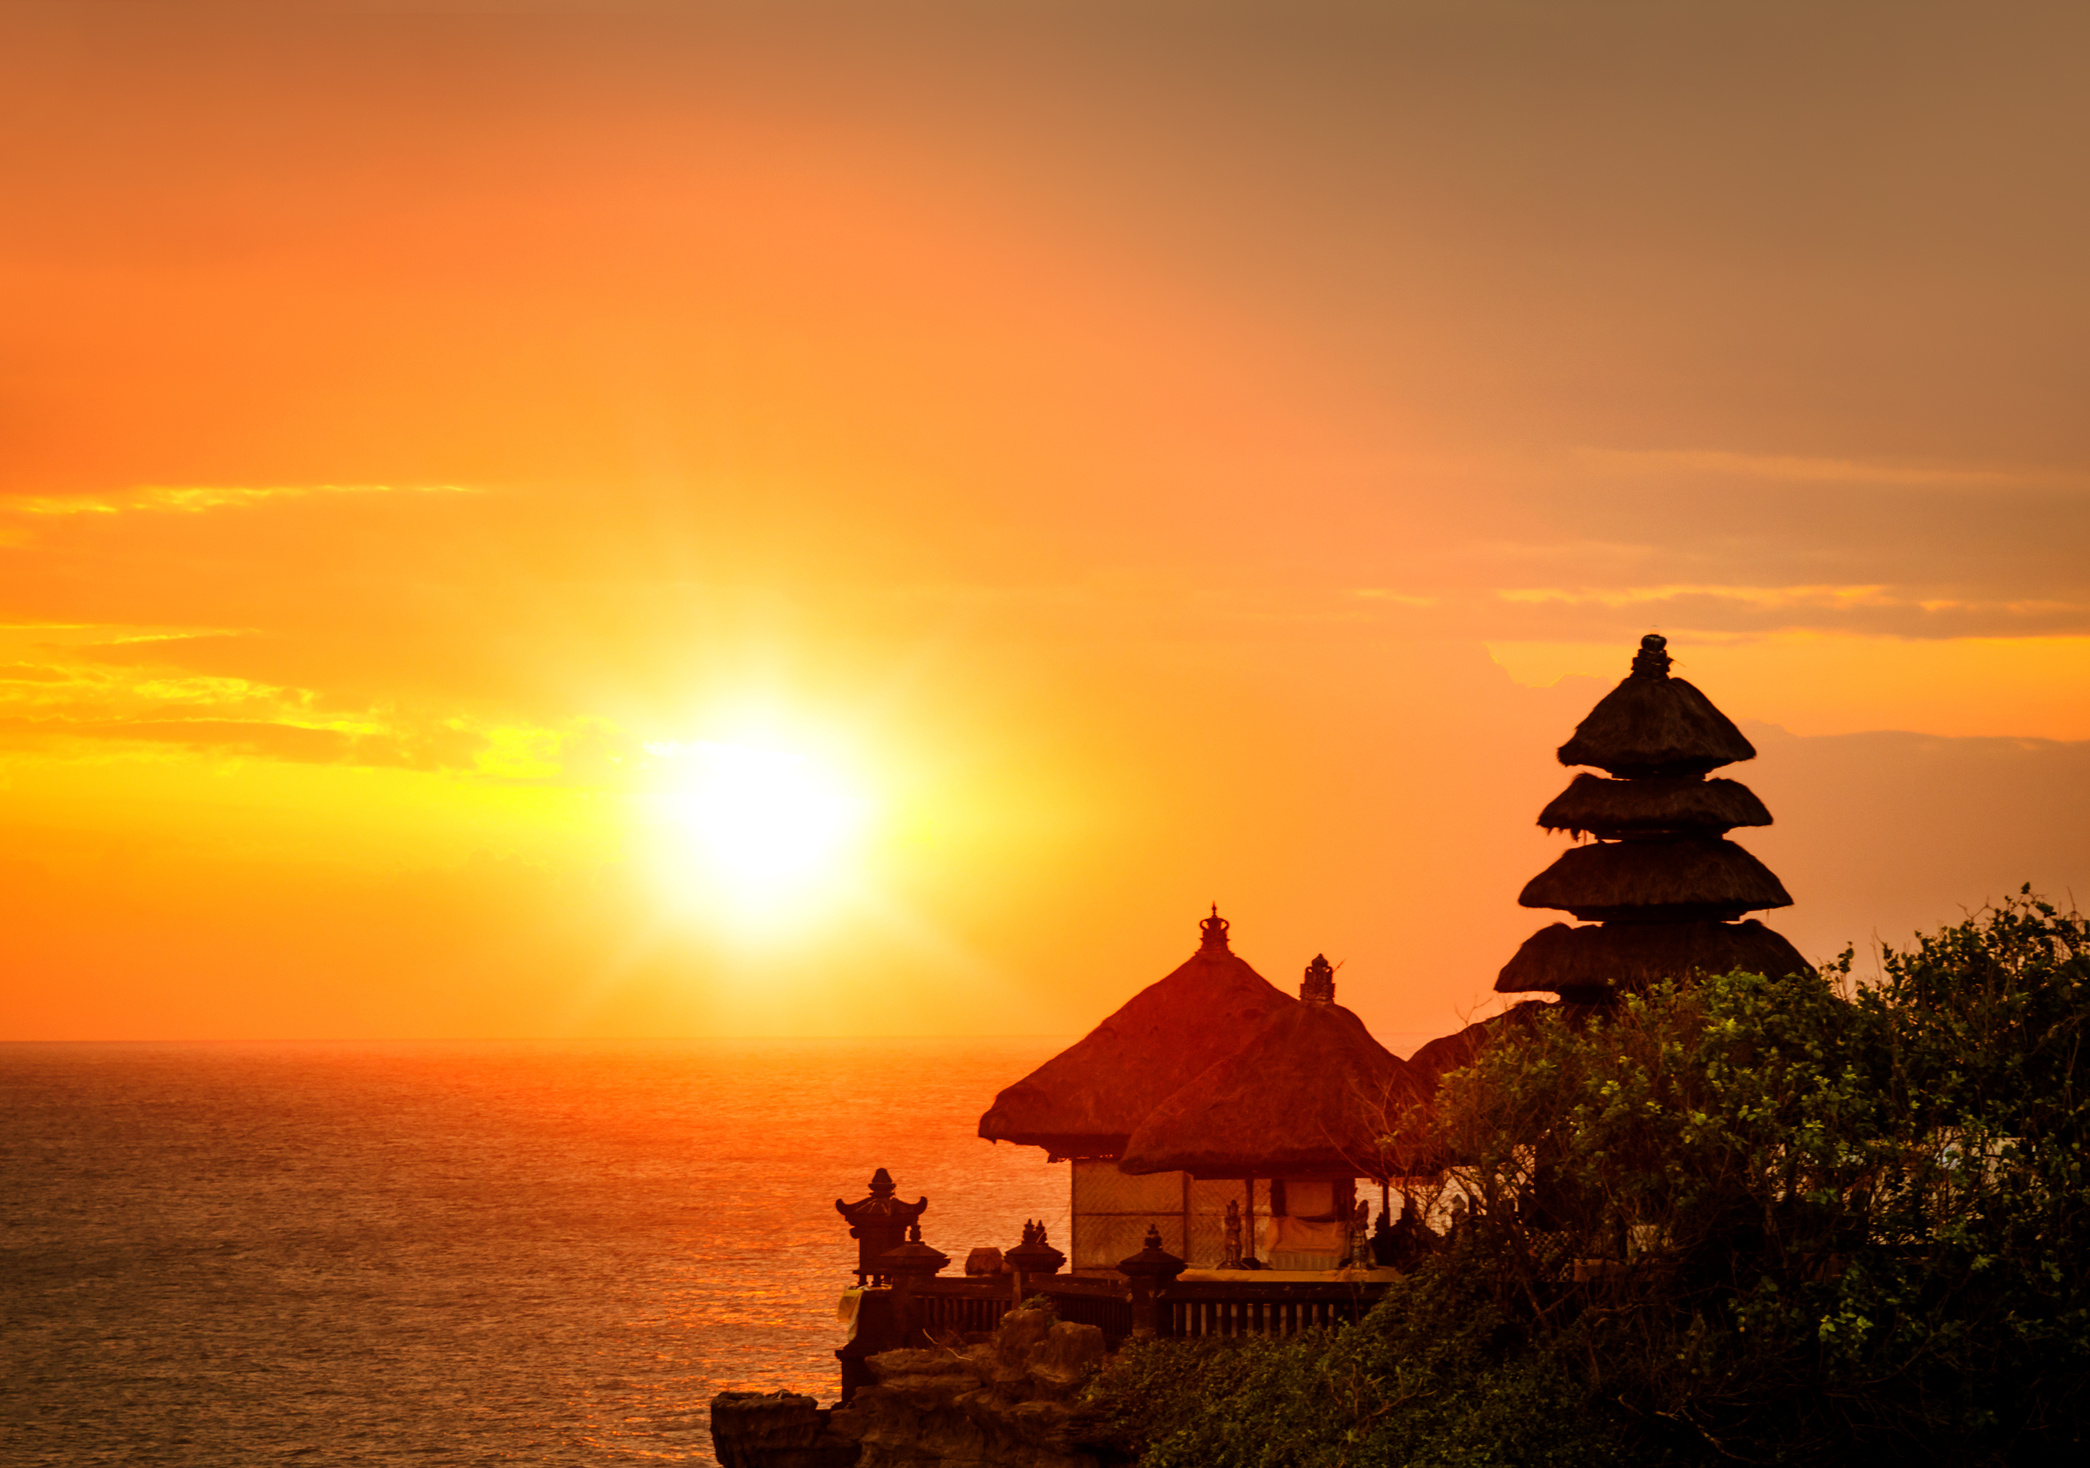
x=1088, y=1100
x=1304, y=1104
x=1085, y=1103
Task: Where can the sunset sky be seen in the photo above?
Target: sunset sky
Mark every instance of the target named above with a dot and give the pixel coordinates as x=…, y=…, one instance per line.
x=554, y=519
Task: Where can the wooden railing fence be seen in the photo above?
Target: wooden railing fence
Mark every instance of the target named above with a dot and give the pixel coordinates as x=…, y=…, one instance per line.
x=1247, y=1308
x=948, y=1309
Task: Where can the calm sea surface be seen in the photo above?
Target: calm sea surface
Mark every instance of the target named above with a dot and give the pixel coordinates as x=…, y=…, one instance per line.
x=458, y=1253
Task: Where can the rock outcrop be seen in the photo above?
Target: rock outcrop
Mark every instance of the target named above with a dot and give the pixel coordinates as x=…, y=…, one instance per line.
x=775, y=1430
x=1008, y=1402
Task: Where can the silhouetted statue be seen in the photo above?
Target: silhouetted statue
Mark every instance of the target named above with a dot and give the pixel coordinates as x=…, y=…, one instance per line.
x=1383, y=1245
x=1405, y=1243
x=878, y=1223
x=1461, y=1221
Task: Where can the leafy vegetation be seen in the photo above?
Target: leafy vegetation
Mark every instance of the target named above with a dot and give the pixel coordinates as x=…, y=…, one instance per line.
x=1737, y=1219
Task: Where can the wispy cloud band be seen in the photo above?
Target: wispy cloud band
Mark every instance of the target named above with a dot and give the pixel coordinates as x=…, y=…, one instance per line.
x=196, y=499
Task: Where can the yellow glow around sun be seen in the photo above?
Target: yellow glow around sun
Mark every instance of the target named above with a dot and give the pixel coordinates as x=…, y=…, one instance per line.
x=755, y=829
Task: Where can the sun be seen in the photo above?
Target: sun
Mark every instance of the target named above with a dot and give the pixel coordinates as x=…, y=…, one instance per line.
x=754, y=828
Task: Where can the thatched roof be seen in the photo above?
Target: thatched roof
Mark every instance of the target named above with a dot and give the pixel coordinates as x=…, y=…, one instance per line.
x=1310, y=1094
x=1456, y=1051
x=1663, y=880
x=1086, y=1100
x=1653, y=724
x=1660, y=803
x=1593, y=961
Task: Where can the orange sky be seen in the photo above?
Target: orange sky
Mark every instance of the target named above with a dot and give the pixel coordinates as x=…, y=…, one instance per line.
x=1137, y=454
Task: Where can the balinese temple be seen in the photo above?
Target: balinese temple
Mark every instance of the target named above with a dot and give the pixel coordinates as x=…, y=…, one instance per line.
x=1215, y=1124
x=1303, y=1105
x=1659, y=888
x=1084, y=1104
x=1211, y=1080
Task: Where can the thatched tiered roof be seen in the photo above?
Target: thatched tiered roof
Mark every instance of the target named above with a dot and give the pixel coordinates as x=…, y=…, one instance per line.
x=1087, y=1100
x=1309, y=1095
x=1653, y=724
x=1587, y=962
x=1660, y=877
x=1675, y=881
x=1665, y=804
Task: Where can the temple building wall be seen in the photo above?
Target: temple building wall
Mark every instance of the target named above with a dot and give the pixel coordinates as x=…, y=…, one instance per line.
x=1113, y=1210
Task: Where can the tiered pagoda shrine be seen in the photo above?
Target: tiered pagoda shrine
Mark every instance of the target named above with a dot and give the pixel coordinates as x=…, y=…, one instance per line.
x=1660, y=888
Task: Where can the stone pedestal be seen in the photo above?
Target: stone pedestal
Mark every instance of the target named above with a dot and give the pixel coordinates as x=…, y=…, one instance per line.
x=1152, y=1270
x=906, y=1266
x=1032, y=1260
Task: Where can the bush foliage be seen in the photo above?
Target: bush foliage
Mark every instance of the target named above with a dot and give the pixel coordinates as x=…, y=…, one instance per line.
x=1736, y=1219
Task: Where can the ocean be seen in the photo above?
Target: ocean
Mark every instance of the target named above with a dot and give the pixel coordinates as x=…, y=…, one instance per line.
x=459, y=1253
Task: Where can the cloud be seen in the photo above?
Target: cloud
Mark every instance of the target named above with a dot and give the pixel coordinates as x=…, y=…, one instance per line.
x=196, y=499
x=497, y=753
x=80, y=686
x=1392, y=597
x=1838, y=682
x=292, y=742
x=1913, y=611
x=1804, y=469
x=1754, y=596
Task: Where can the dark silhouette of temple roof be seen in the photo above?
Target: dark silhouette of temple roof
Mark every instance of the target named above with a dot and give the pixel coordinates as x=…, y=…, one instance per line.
x=1587, y=962
x=1457, y=1050
x=1663, y=804
x=1653, y=724
x=1087, y=1100
x=1674, y=881
x=1310, y=1093
x=1661, y=877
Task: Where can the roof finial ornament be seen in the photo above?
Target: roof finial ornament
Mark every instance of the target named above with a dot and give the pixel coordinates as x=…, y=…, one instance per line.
x=1652, y=661
x=1318, y=987
x=1214, y=928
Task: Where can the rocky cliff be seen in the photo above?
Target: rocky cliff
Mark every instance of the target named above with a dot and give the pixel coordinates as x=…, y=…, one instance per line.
x=1009, y=1402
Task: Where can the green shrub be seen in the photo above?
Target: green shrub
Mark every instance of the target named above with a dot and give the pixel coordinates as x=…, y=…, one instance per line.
x=1736, y=1219
x=1434, y=1374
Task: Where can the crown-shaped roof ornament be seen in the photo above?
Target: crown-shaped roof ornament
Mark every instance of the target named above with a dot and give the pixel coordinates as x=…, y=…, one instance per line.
x=1318, y=987
x=1653, y=724
x=1652, y=661
x=1214, y=928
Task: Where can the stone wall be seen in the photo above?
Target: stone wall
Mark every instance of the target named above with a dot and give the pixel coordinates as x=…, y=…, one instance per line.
x=1008, y=1402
